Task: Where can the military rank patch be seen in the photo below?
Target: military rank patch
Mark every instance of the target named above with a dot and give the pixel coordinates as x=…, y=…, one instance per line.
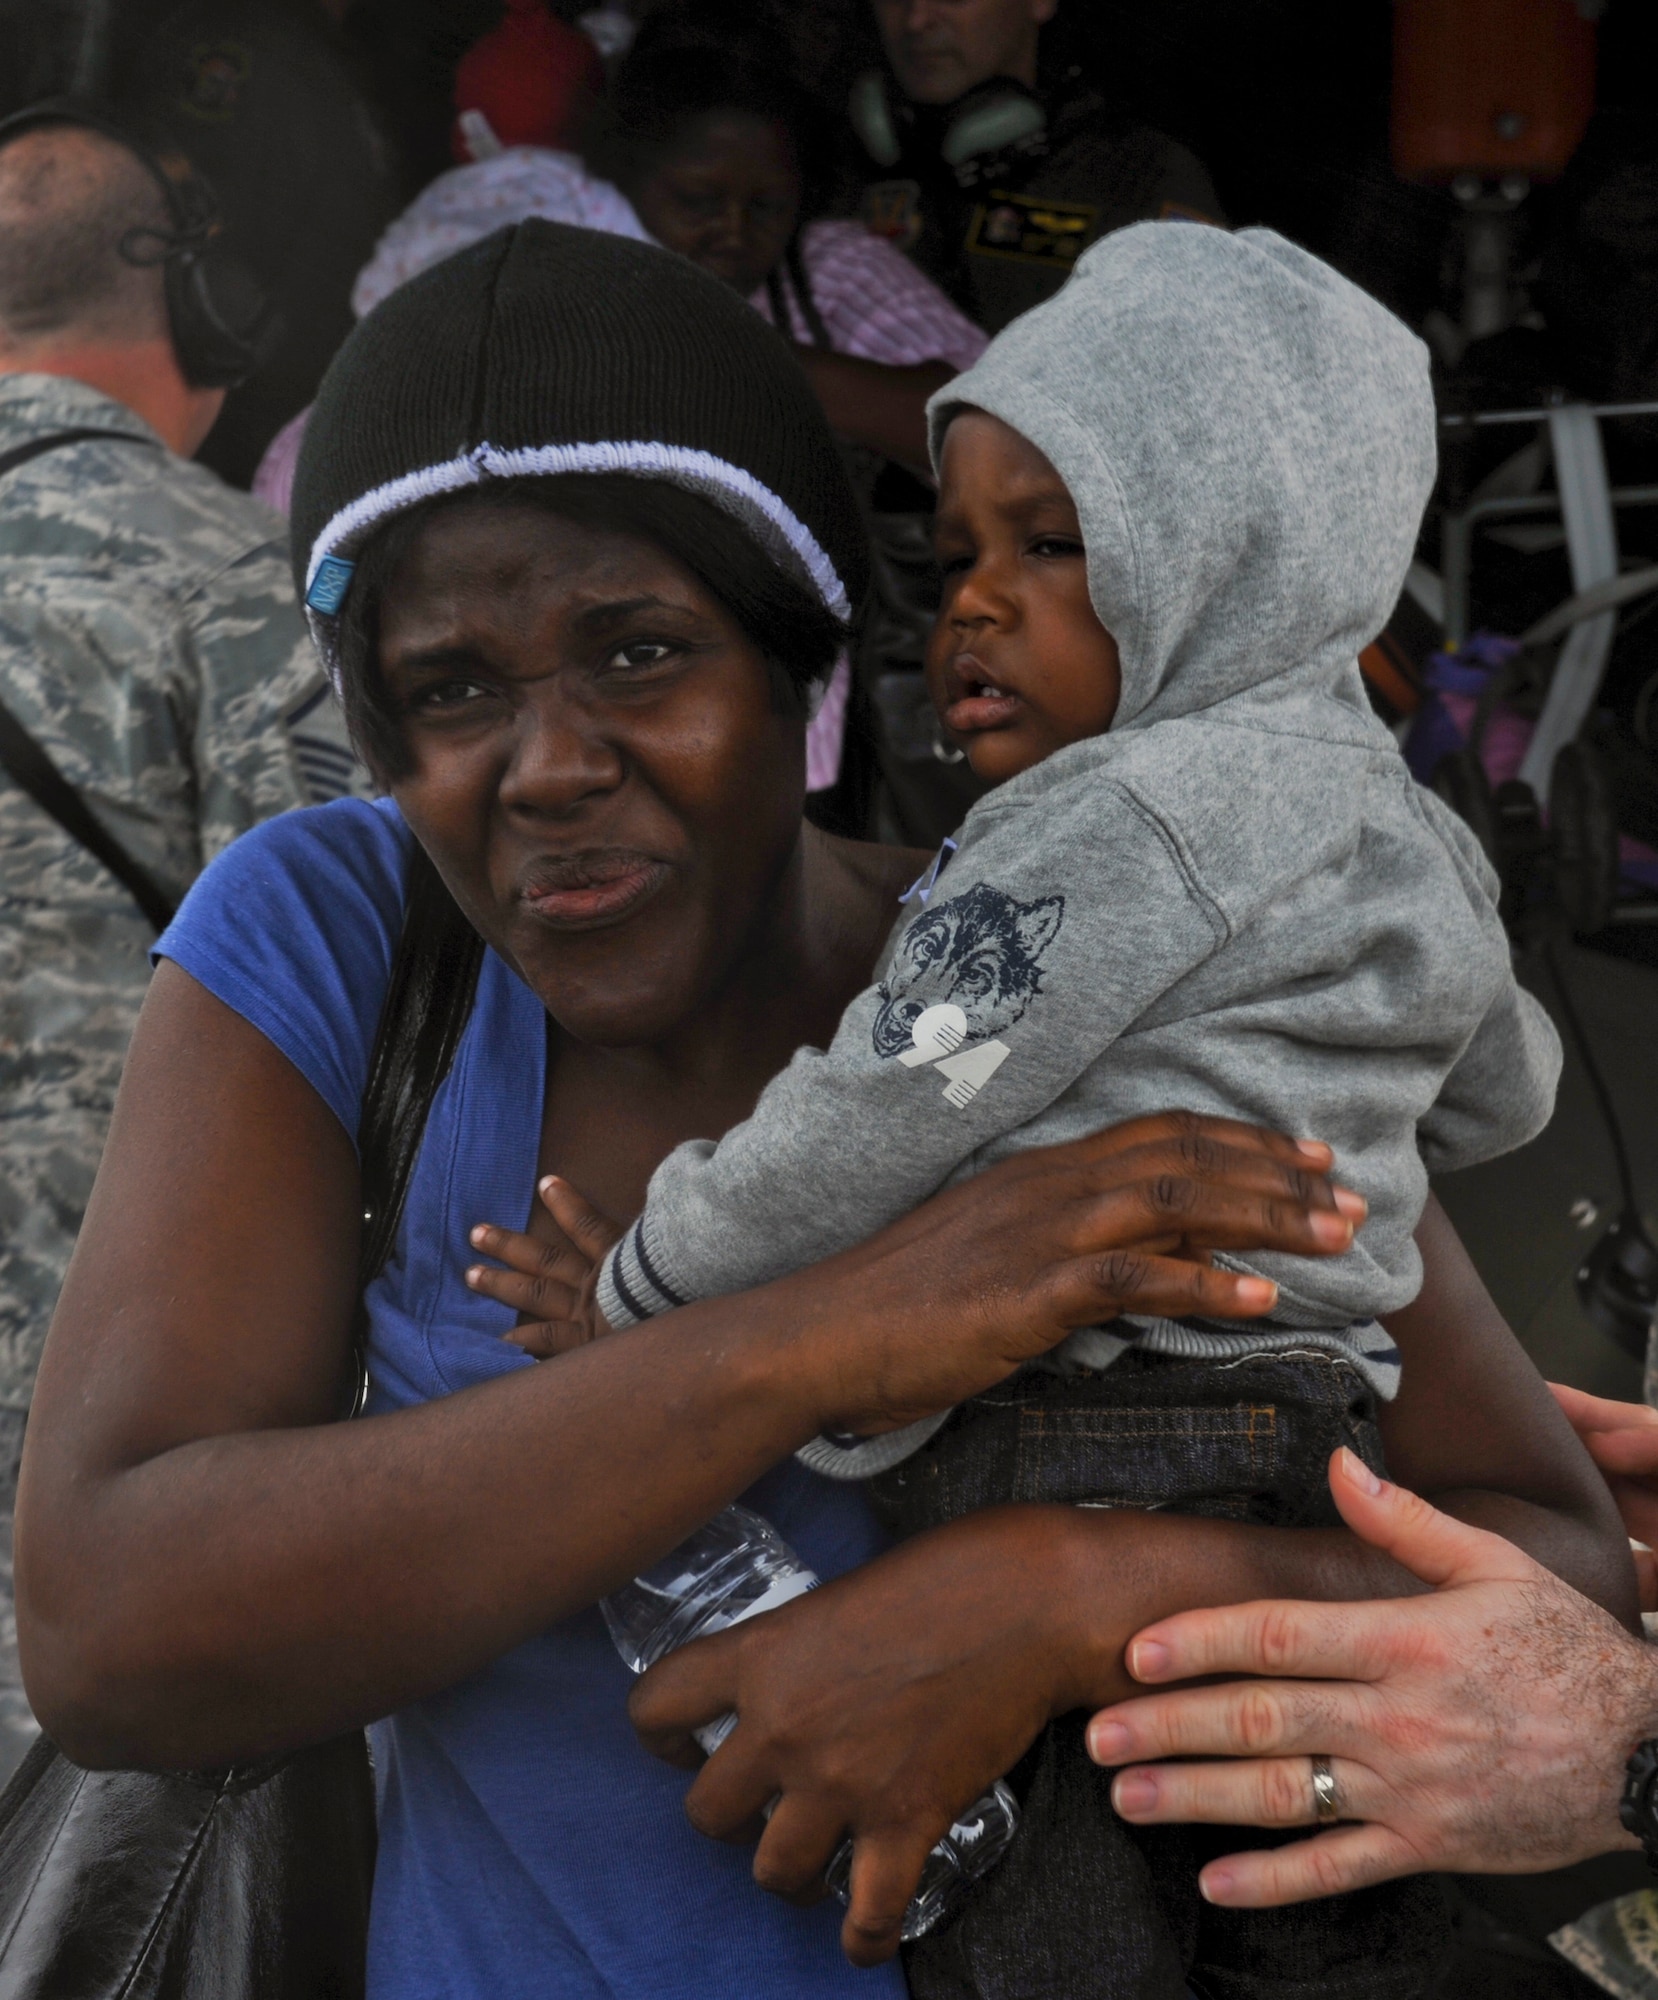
x=1027, y=228
x=893, y=209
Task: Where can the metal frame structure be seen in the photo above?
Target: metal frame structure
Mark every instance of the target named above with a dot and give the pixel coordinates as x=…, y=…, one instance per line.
x=1586, y=505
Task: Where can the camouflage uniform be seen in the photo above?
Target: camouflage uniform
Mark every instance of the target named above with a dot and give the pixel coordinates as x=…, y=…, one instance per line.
x=149, y=640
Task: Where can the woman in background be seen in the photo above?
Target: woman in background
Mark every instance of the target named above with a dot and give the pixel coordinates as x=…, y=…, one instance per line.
x=727, y=159
x=710, y=146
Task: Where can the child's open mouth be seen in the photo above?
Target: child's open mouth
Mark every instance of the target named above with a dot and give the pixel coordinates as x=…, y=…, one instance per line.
x=974, y=701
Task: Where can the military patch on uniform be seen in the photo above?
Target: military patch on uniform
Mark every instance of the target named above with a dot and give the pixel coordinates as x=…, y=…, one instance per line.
x=1027, y=228
x=213, y=78
x=893, y=209
x=1177, y=211
x=330, y=584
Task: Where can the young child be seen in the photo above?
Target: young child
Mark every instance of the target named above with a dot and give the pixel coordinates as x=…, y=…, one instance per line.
x=1175, y=501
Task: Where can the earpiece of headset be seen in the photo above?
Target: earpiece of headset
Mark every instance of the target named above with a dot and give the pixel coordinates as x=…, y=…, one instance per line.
x=991, y=128
x=222, y=323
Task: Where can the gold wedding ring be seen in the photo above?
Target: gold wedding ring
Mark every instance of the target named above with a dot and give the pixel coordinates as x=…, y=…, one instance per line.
x=1326, y=1792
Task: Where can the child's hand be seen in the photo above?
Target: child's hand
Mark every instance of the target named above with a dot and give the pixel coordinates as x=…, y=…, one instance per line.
x=549, y=1283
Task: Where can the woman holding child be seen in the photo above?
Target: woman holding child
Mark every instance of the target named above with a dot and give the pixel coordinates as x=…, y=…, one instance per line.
x=591, y=547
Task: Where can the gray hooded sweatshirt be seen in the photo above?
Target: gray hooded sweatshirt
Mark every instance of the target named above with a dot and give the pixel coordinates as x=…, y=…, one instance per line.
x=1235, y=901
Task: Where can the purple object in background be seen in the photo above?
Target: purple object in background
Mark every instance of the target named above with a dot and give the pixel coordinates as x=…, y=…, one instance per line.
x=1444, y=722
x=1441, y=726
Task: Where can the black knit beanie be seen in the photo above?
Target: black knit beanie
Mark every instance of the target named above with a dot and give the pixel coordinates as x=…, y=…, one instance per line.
x=547, y=350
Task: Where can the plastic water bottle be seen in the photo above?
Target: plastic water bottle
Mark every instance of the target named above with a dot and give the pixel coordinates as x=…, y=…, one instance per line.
x=736, y=1567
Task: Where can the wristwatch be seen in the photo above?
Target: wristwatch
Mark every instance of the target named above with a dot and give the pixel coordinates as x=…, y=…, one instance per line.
x=1638, y=1808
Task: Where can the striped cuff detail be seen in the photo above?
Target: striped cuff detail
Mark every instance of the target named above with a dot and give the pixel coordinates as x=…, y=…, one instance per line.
x=631, y=1287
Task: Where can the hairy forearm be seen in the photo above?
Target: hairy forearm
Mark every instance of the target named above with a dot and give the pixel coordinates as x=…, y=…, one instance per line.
x=1483, y=1726
x=239, y=1594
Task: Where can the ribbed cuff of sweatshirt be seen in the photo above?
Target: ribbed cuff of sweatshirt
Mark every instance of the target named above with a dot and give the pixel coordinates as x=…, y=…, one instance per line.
x=634, y=1284
x=862, y=1458
x=1366, y=1344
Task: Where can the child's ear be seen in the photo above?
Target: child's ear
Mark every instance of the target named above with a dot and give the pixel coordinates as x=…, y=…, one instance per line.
x=1037, y=923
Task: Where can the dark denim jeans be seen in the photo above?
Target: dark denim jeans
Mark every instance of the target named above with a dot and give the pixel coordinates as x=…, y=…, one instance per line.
x=1086, y=1907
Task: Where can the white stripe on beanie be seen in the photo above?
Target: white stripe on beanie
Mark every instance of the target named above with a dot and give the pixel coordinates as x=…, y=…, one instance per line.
x=774, y=524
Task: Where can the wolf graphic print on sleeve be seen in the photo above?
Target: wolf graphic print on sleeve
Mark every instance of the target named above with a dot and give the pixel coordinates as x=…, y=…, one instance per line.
x=993, y=1002
x=980, y=952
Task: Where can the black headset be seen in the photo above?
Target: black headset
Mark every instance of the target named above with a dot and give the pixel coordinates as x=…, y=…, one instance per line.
x=222, y=323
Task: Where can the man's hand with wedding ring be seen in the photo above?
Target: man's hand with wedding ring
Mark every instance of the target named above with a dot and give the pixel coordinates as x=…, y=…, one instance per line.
x=1481, y=1728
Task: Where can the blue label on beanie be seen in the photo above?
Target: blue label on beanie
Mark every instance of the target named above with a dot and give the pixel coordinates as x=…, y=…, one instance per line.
x=330, y=584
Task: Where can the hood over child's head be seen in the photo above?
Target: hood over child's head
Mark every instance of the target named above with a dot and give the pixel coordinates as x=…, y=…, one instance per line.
x=1249, y=440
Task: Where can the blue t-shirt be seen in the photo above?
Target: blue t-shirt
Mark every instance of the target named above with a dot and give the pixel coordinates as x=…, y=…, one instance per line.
x=528, y=1845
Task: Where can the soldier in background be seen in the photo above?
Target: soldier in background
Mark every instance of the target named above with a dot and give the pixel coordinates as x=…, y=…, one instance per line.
x=994, y=161
x=151, y=646
x=263, y=99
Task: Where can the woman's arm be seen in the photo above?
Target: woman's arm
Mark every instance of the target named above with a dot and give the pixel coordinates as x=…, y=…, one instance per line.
x=886, y=1702
x=880, y=1706
x=1622, y=1439
x=1476, y=1431
x=870, y=403
x=209, y=1568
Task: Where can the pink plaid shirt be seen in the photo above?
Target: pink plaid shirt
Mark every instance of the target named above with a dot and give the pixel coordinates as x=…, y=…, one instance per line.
x=875, y=303
x=877, y=306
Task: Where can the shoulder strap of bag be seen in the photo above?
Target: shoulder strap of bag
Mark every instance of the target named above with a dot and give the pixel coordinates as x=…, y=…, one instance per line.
x=434, y=976
x=20, y=454
x=32, y=770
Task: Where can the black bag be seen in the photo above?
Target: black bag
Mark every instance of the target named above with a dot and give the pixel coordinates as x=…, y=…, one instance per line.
x=252, y=1883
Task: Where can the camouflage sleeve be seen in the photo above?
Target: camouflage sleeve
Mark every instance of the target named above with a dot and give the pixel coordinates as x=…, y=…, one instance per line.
x=328, y=762
x=254, y=668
